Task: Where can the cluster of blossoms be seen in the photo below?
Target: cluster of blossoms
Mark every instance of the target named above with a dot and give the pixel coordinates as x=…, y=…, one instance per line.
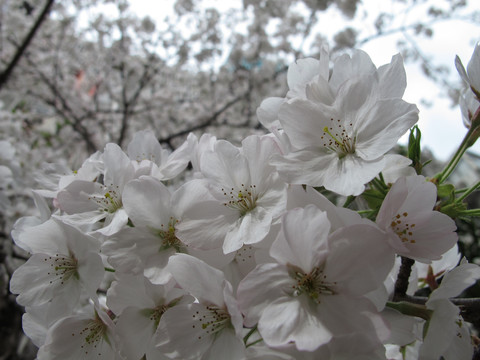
x=247, y=259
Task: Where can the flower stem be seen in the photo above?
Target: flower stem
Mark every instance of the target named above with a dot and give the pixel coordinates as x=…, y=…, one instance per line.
x=253, y=343
x=468, y=192
x=473, y=212
x=469, y=139
x=252, y=330
x=411, y=309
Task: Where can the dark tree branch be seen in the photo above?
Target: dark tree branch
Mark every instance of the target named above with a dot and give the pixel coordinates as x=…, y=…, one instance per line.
x=469, y=307
x=5, y=75
x=75, y=121
x=208, y=122
x=401, y=285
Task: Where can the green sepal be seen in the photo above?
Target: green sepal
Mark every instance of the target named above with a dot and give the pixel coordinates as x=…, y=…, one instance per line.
x=414, y=149
x=446, y=191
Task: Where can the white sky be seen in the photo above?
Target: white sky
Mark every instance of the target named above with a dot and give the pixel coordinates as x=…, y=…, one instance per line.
x=441, y=126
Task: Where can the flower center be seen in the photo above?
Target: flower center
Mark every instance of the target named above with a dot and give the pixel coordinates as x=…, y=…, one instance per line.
x=243, y=200
x=156, y=313
x=168, y=237
x=402, y=228
x=213, y=320
x=111, y=200
x=62, y=268
x=312, y=284
x=336, y=138
x=94, y=333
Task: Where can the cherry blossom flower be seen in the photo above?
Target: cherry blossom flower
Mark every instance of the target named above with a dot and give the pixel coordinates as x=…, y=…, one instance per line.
x=208, y=329
x=139, y=306
x=89, y=203
x=65, y=263
x=471, y=76
x=238, y=199
x=414, y=229
x=343, y=125
x=447, y=334
x=470, y=97
x=89, y=334
x=155, y=213
x=149, y=158
x=316, y=289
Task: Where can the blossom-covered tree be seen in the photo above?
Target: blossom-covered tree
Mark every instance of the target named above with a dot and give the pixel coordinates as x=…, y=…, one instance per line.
x=268, y=267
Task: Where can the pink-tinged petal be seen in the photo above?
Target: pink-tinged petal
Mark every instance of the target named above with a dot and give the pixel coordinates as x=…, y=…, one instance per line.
x=128, y=290
x=473, y=69
x=354, y=320
x=91, y=272
x=258, y=150
x=260, y=287
x=249, y=229
x=136, y=329
x=347, y=176
x=404, y=329
x=206, y=233
x=360, y=259
x=319, y=91
x=392, y=203
x=303, y=240
x=225, y=165
x=414, y=229
x=77, y=197
x=226, y=346
x=431, y=238
x=442, y=329
x=396, y=167
x=346, y=67
x=118, y=166
x=231, y=304
x=127, y=248
x=181, y=334
x=338, y=216
x=461, y=69
x=156, y=267
x=199, y=279
x=67, y=339
x=267, y=112
x=291, y=319
x=147, y=202
x=381, y=127
x=421, y=193
x=303, y=71
x=303, y=121
x=144, y=146
x=455, y=281
x=392, y=78
x=37, y=282
x=114, y=222
x=178, y=160
x=47, y=237
x=354, y=99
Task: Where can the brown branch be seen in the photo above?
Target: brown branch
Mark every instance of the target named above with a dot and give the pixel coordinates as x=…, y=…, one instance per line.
x=401, y=285
x=5, y=75
x=209, y=121
x=469, y=307
x=76, y=122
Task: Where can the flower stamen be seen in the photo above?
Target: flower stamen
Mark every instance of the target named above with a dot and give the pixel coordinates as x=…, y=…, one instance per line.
x=403, y=229
x=244, y=201
x=312, y=284
x=341, y=143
